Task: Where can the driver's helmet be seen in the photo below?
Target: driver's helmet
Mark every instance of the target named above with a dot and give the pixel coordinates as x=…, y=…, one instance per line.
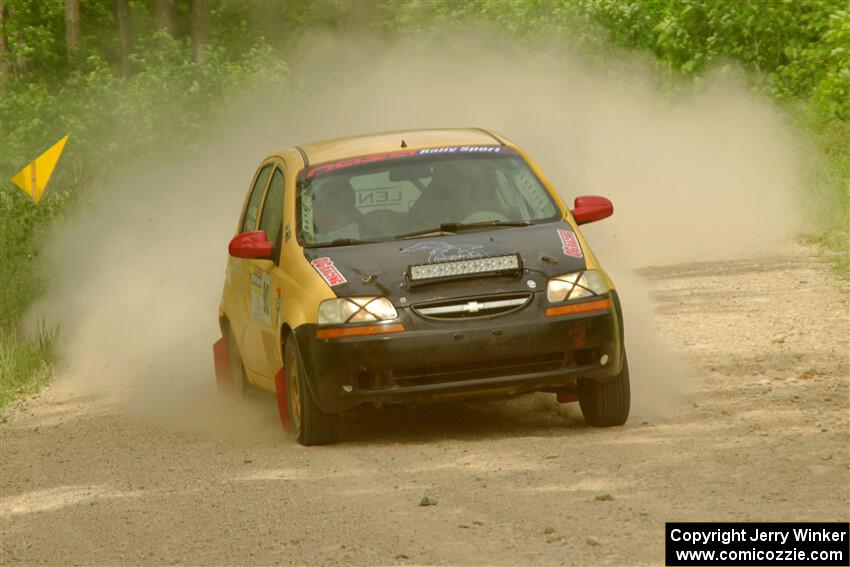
x=460, y=188
x=334, y=205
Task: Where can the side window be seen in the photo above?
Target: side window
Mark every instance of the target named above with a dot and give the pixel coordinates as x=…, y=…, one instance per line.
x=250, y=221
x=534, y=201
x=272, y=215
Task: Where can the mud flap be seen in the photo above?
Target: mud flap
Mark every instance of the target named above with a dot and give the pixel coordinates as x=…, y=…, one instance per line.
x=221, y=359
x=282, y=402
x=567, y=395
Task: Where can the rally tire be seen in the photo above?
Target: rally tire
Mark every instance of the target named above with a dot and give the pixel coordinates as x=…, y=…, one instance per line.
x=310, y=425
x=605, y=404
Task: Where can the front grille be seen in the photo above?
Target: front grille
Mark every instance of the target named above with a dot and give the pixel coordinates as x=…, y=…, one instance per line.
x=469, y=307
x=471, y=371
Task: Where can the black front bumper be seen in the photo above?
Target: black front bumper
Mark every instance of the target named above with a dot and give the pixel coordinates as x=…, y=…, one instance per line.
x=520, y=352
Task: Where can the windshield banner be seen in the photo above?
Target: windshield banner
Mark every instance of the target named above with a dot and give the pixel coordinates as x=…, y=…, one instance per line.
x=337, y=165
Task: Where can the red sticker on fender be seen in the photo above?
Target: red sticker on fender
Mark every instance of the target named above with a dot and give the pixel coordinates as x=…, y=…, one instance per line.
x=569, y=243
x=325, y=267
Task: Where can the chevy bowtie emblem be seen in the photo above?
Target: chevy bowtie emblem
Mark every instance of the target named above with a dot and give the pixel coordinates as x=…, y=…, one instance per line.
x=472, y=307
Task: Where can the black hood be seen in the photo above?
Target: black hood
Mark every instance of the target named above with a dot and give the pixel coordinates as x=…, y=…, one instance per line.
x=381, y=268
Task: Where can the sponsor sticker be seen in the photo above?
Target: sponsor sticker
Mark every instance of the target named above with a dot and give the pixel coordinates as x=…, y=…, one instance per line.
x=327, y=167
x=462, y=150
x=260, y=287
x=307, y=210
x=569, y=243
x=325, y=267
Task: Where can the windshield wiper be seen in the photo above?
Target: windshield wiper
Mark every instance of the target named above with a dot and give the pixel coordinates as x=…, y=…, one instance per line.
x=454, y=227
x=435, y=230
x=443, y=229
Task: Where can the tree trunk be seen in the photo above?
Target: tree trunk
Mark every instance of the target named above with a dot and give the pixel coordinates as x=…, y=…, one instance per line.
x=166, y=16
x=122, y=16
x=14, y=63
x=72, y=27
x=5, y=64
x=199, y=29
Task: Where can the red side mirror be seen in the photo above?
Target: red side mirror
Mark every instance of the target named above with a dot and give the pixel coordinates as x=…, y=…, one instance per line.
x=251, y=245
x=590, y=208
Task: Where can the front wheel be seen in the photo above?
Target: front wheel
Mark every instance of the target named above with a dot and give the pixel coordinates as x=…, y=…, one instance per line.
x=604, y=404
x=310, y=424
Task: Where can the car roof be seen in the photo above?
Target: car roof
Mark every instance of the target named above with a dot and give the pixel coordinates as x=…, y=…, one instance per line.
x=341, y=148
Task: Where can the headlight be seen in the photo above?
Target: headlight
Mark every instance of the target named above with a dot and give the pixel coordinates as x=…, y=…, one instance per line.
x=355, y=310
x=575, y=286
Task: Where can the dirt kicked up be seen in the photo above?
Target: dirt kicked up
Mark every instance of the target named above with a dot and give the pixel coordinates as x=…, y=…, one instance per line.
x=760, y=434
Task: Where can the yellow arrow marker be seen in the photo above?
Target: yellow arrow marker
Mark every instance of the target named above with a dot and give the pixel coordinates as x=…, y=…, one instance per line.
x=33, y=178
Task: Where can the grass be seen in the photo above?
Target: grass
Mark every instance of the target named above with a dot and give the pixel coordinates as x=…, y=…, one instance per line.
x=835, y=247
x=25, y=365
x=26, y=362
x=834, y=236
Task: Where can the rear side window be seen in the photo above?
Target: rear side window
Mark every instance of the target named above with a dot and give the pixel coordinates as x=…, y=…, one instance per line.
x=252, y=212
x=272, y=216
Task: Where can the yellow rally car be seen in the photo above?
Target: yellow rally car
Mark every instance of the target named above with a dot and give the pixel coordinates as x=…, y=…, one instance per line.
x=416, y=265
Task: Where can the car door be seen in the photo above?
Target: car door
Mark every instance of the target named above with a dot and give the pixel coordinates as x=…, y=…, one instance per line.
x=238, y=269
x=264, y=286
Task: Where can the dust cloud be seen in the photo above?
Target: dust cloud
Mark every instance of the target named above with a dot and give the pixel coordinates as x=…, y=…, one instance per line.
x=136, y=278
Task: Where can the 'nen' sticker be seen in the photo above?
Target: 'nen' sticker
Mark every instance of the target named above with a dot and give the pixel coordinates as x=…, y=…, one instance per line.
x=325, y=267
x=569, y=243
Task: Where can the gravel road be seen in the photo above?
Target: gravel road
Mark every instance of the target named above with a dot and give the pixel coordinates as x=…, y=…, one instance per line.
x=760, y=433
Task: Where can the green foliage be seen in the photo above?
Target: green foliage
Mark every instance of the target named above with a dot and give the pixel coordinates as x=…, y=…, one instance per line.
x=799, y=48
x=236, y=26
x=24, y=365
x=35, y=33
x=116, y=120
x=21, y=228
x=165, y=103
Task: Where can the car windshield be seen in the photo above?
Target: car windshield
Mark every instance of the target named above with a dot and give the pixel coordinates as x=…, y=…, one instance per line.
x=418, y=192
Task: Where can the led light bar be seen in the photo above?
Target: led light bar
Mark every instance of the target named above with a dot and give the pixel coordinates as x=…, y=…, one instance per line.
x=493, y=264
